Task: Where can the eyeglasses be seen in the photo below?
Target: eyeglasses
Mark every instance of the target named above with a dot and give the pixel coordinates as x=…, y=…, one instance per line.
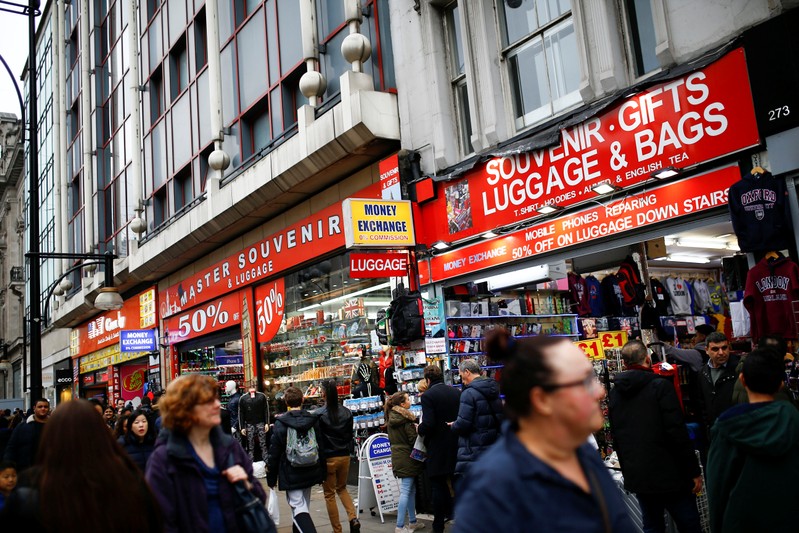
x=590, y=382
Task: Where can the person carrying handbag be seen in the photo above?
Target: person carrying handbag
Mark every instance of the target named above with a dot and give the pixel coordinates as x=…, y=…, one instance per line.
x=402, y=436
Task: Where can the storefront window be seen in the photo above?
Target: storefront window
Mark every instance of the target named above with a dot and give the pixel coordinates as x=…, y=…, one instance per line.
x=328, y=325
x=219, y=355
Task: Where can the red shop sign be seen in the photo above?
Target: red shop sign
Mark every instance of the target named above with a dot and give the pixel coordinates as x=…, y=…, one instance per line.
x=378, y=265
x=270, y=300
x=136, y=313
x=683, y=122
x=88, y=379
x=316, y=235
x=685, y=197
x=207, y=318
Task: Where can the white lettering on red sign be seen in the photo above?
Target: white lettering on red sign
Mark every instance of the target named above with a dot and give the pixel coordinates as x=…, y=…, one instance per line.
x=378, y=265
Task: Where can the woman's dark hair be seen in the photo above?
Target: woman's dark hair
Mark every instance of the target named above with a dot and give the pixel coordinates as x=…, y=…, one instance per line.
x=526, y=366
x=115, y=493
x=394, y=400
x=149, y=437
x=120, y=426
x=330, y=391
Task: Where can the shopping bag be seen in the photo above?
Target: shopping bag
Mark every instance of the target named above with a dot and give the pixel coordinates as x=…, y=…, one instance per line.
x=419, y=452
x=259, y=469
x=273, y=507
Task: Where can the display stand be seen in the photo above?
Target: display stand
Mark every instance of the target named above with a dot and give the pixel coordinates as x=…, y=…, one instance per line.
x=377, y=486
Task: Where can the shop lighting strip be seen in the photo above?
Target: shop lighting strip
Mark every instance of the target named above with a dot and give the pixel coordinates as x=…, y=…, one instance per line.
x=346, y=296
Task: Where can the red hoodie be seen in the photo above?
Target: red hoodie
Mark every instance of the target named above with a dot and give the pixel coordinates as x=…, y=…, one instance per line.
x=771, y=286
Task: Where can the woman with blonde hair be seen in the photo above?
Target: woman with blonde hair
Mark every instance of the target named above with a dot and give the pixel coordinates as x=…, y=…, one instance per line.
x=195, y=464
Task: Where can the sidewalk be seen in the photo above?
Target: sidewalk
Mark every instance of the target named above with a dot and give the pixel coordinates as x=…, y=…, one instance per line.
x=369, y=523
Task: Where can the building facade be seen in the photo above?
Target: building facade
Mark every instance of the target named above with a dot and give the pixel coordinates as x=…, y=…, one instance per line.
x=185, y=135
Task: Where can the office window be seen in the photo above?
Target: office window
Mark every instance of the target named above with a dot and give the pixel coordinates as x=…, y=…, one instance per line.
x=200, y=41
x=157, y=103
x=642, y=35
x=255, y=129
x=184, y=192
x=178, y=68
x=542, y=57
x=457, y=74
x=159, y=208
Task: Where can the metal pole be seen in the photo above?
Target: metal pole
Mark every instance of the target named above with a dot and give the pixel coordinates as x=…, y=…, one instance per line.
x=33, y=228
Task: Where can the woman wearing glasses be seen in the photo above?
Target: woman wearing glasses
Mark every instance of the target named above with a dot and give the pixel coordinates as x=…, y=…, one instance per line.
x=541, y=475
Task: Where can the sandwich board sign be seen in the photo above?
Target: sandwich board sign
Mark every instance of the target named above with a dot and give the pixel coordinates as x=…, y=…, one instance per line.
x=377, y=486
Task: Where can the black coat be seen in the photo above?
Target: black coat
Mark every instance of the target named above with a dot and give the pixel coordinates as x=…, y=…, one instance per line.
x=279, y=468
x=138, y=451
x=23, y=444
x=649, y=434
x=337, y=438
x=717, y=398
x=440, y=405
x=479, y=421
x=253, y=410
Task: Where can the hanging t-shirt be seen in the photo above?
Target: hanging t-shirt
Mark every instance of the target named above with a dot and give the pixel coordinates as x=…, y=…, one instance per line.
x=661, y=297
x=771, y=287
x=759, y=213
x=717, y=298
x=595, y=301
x=612, y=296
x=680, y=294
x=701, y=297
x=578, y=293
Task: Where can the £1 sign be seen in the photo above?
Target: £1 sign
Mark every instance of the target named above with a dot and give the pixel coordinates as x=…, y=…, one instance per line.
x=269, y=305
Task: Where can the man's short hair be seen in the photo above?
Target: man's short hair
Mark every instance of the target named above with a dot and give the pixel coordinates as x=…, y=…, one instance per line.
x=774, y=342
x=763, y=371
x=634, y=353
x=293, y=397
x=716, y=337
x=45, y=400
x=432, y=372
x=470, y=365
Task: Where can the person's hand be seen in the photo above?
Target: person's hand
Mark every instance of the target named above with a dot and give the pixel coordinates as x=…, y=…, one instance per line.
x=697, y=484
x=243, y=432
x=236, y=473
x=450, y=423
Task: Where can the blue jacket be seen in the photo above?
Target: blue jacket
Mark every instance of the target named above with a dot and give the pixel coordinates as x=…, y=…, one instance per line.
x=525, y=494
x=479, y=421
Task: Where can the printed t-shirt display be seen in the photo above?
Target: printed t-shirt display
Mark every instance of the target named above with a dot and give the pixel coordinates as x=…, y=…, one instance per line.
x=771, y=286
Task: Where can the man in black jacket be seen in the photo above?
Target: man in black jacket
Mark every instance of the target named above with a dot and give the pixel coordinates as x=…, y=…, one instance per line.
x=717, y=378
x=24, y=442
x=650, y=437
x=479, y=417
x=296, y=481
x=253, y=420
x=439, y=406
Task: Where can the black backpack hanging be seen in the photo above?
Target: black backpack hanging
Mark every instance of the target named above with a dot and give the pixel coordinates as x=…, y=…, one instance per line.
x=406, y=314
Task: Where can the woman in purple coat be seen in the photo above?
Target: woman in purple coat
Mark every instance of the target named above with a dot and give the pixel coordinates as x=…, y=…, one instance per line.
x=194, y=464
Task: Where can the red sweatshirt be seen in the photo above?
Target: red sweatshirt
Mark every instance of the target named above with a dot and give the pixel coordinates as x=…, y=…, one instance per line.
x=771, y=286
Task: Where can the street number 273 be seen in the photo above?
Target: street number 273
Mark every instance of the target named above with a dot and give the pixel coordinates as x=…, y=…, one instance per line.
x=779, y=112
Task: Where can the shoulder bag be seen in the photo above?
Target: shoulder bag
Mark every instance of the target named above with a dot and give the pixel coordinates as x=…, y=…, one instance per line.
x=251, y=514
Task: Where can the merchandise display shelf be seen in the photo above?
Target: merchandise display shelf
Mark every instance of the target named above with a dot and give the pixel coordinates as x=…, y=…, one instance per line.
x=484, y=367
x=508, y=317
x=516, y=336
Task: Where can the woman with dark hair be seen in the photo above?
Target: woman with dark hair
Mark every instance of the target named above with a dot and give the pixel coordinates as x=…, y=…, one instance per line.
x=195, y=464
x=541, y=473
x=121, y=426
x=82, y=481
x=402, y=436
x=139, y=437
x=336, y=442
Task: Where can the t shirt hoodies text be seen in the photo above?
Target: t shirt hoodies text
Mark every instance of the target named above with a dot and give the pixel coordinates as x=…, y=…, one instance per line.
x=759, y=213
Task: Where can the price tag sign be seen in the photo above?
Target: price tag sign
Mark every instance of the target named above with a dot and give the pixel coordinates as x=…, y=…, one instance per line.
x=613, y=339
x=592, y=348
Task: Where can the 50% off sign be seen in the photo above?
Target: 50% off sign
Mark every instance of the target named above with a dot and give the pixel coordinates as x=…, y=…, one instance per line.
x=207, y=318
x=270, y=302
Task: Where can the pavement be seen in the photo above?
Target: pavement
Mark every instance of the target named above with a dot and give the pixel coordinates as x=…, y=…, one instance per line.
x=369, y=523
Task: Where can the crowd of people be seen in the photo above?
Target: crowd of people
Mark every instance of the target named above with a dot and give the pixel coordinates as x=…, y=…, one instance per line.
x=518, y=462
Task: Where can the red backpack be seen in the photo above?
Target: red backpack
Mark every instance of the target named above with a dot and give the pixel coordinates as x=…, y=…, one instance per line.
x=632, y=289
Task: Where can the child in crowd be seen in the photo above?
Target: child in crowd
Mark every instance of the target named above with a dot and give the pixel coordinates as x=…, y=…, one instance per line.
x=8, y=480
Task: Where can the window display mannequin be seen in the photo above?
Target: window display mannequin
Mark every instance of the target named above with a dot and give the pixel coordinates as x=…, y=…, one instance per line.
x=253, y=419
x=232, y=390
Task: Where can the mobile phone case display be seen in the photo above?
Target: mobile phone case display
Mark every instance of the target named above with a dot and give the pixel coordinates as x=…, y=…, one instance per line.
x=223, y=368
x=308, y=351
x=409, y=364
x=469, y=322
x=606, y=370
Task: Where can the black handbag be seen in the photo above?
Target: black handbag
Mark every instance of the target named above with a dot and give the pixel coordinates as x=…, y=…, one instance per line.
x=251, y=513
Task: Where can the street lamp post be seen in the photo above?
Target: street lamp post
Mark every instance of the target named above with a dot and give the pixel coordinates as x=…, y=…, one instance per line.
x=108, y=297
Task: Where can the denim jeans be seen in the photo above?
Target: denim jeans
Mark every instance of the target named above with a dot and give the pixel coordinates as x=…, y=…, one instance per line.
x=681, y=506
x=407, y=501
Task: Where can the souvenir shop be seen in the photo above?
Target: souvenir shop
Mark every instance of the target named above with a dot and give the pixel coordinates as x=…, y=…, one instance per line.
x=654, y=219
x=294, y=307
x=116, y=353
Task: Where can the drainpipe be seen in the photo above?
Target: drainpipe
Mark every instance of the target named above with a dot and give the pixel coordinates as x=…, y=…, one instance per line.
x=86, y=136
x=57, y=36
x=137, y=225
x=218, y=160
